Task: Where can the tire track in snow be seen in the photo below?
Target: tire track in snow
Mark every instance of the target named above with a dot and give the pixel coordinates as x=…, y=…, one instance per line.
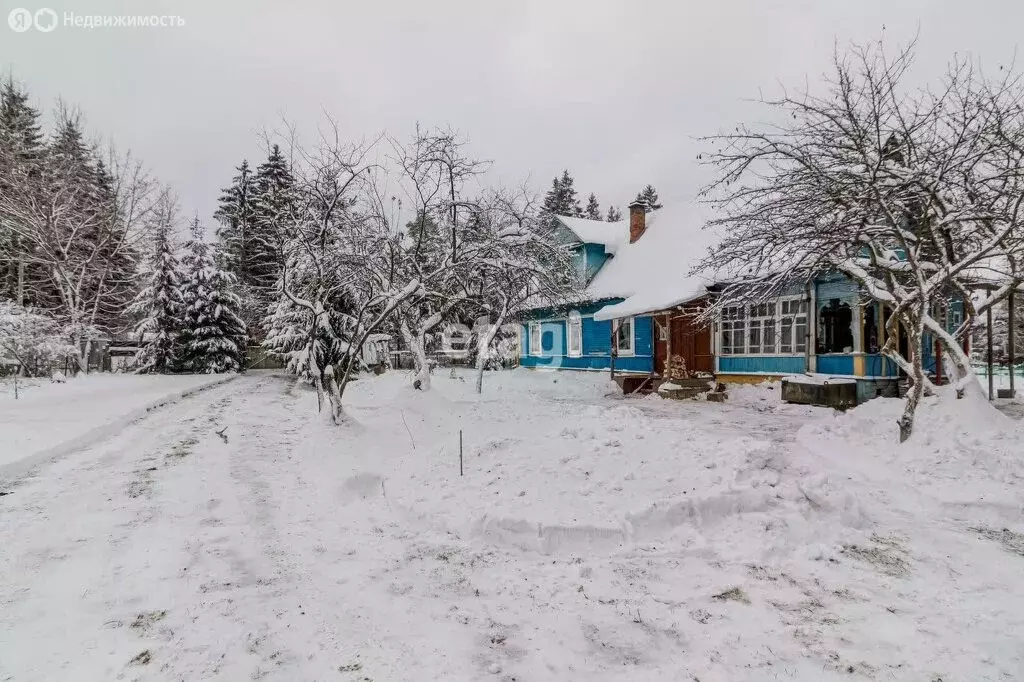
x=77, y=538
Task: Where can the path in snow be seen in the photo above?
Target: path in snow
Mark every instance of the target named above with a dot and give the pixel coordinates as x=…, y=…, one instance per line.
x=590, y=539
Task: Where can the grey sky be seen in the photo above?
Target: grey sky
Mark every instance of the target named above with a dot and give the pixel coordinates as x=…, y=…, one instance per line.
x=615, y=91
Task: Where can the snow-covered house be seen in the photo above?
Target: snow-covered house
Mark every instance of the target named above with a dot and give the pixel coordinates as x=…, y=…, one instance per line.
x=639, y=305
x=639, y=315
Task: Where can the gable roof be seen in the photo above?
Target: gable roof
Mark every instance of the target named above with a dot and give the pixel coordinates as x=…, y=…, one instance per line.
x=654, y=273
x=609, y=235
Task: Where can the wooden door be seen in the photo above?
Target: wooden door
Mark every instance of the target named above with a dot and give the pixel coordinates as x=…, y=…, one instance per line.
x=661, y=332
x=693, y=342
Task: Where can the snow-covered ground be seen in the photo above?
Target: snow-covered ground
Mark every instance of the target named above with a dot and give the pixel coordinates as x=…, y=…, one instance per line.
x=236, y=535
x=48, y=418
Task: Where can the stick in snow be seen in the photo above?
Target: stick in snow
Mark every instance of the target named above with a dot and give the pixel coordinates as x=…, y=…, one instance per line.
x=407, y=429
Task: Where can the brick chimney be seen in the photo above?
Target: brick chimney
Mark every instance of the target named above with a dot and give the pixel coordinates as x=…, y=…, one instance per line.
x=637, y=220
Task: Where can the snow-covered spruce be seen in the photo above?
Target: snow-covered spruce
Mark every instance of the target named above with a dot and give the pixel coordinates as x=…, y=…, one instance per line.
x=213, y=337
x=160, y=304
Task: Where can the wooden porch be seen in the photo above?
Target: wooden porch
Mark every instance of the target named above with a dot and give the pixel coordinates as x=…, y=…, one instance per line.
x=683, y=355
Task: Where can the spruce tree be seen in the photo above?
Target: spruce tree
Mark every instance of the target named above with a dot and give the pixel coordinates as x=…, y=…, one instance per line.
x=160, y=304
x=273, y=195
x=212, y=338
x=650, y=196
x=561, y=199
x=236, y=216
x=593, y=210
x=21, y=152
x=21, y=137
x=614, y=215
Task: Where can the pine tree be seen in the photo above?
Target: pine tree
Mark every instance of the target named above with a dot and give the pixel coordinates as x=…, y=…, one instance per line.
x=212, y=338
x=614, y=215
x=160, y=303
x=650, y=196
x=593, y=210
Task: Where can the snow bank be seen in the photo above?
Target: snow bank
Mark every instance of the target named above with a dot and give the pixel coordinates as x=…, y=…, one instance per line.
x=51, y=420
x=953, y=439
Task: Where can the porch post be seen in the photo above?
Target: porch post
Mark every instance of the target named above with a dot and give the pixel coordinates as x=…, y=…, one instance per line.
x=1012, y=341
x=988, y=320
x=811, y=336
x=613, y=352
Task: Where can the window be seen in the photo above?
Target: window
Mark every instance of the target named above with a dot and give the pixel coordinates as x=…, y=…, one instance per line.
x=871, y=328
x=733, y=330
x=835, y=331
x=574, y=342
x=761, y=330
x=624, y=336
x=793, y=326
x=535, y=348
x=956, y=317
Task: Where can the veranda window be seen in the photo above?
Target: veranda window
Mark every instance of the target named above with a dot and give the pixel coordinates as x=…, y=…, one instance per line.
x=761, y=336
x=793, y=326
x=734, y=321
x=835, y=330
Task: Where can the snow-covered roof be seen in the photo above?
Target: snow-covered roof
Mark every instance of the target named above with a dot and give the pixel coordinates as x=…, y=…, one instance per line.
x=610, y=235
x=654, y=273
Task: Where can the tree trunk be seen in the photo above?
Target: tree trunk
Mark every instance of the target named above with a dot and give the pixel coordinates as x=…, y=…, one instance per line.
x=417, y=347
x=333, y=395
x=917, y=381
x=482, y=347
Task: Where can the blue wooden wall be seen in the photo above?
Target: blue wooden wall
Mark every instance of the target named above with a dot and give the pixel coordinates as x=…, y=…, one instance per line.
x=762, y=364
x=835, y=364
x=597, y=339
x=875, y=365
x=595, y=257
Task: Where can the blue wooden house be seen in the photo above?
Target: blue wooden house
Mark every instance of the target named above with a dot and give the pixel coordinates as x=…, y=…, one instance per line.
x=634, y=313
x=641, y=307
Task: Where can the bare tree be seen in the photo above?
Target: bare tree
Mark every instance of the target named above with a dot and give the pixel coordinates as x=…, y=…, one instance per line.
x=342, y=276
x=438, y=249
x=81, y=235
x=908, y=191
x=517, y=262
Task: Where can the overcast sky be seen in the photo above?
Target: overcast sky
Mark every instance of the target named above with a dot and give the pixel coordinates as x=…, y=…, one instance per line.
x=614, y=91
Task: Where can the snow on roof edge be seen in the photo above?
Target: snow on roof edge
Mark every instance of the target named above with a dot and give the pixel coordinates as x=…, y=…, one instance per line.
x=629, y=308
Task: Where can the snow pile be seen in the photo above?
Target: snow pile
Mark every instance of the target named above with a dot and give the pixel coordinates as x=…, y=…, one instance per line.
x=953, y=439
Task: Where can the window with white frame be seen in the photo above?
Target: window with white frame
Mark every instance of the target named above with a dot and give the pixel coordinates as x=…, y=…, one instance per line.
x=761, y=329
x=793, y=326
x=624, y=336
x=574, y=333
x=734, y=329
x=535, y=348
